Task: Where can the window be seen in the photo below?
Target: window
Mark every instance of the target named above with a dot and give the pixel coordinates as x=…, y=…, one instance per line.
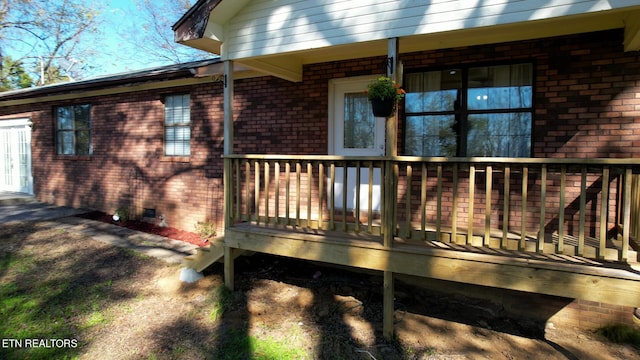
x=177, y=125
x=476, y=111
x=73, y=130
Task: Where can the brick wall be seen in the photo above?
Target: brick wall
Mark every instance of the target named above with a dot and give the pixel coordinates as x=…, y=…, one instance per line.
x=127, y=168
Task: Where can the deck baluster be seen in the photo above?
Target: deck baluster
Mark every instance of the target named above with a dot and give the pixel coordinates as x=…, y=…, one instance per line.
x=423, y=202
x=298, y=195
x=357, y=210
x=523, y=224
x=487, y=207
x=247, y=193
x=439, y=207
x=472, y=192
x=332, y=195
x=543, y=207
x=256, y=190
x=370, y=198
x=563, y=186
x=235, y=165
x=583, y=210
x=506, y=206
x=276, y=180
x=287, y=195
x=267, y=174
x=408, y=202
x=626, y=221
x=321, y=181
x=604, y=213
x=309, y=177
x=454, y=209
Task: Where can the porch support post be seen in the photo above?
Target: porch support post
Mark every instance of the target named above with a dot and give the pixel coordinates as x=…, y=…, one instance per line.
x=227, y=178
x=228, y=107
x=391, y=179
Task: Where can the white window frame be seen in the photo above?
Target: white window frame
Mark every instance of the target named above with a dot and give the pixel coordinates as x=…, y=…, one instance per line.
x=177, y=118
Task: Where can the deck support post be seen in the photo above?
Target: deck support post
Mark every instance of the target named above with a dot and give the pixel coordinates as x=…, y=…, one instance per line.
x=391, y=178
x=227, y=178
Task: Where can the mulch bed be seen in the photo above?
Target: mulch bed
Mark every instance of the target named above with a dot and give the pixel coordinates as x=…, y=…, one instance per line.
x=147, y=227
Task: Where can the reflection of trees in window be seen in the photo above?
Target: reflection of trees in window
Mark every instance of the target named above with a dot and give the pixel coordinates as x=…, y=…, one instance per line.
x=494, y=117
x=505, y=134
x=431, y=135
x=73, y=130
x=359, y=122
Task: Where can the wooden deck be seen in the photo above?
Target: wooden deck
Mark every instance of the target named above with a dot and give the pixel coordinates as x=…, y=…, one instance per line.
x=552, y=274
x=562, y=227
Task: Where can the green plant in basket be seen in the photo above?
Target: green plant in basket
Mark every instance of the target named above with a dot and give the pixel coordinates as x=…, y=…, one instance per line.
x=384, y=88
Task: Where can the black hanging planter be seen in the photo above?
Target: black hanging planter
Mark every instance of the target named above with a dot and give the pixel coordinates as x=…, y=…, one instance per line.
x=383, y=107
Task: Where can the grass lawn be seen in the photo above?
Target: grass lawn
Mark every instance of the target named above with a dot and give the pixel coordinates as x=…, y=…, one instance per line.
x=66, y=296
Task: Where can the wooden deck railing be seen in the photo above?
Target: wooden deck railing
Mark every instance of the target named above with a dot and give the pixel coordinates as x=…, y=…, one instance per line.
x=557, y=206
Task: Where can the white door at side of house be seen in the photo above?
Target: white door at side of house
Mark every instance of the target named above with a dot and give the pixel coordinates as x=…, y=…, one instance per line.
x=15, y=156
x=354, y=131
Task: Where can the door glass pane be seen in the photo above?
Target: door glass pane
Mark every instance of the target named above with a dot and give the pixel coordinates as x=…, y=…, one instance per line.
x=505, y=135
x=5, y=142
x=23, y=158
x=431, y=135
x=359, y=122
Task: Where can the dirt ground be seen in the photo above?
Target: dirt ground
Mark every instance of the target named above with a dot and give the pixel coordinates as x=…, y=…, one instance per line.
x=327, y=312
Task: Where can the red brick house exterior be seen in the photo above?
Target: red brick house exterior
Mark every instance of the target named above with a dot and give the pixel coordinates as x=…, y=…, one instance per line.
x=586, y=100
x=587, y=105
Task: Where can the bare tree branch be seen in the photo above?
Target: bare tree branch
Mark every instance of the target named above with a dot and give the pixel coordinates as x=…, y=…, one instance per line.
x=47, y=32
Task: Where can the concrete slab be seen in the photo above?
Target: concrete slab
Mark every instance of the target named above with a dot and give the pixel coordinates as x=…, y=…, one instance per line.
x=13, y=198
x=34, y=211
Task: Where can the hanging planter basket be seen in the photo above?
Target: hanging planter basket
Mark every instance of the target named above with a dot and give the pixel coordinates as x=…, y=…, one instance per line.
x=383, y=107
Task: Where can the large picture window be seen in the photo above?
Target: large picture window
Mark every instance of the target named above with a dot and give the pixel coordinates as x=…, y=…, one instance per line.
x=475, y=111
x=177, y=125
x=73, y=130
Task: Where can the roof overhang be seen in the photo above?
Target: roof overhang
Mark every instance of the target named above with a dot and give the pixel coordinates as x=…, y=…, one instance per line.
x=202, y=28
x=198, y=72
x=212, y=15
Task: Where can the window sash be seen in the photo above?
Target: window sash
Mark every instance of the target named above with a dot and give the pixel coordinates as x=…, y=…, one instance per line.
x=177, y=141
x=73, y=130
x=177, y=125
x=475, y=111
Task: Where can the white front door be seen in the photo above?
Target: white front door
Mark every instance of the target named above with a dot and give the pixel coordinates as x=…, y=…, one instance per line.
x=15, y=156
x=354, y=131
